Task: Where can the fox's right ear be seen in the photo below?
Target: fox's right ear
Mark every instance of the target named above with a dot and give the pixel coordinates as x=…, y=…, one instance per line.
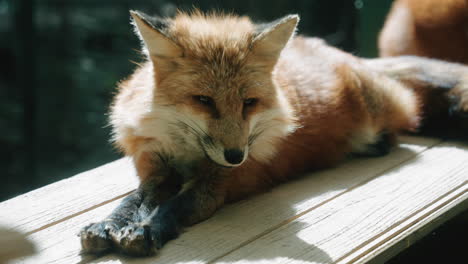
x=154, y=39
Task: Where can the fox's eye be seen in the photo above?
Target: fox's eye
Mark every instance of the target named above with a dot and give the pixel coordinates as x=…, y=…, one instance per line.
x=204, y=100
x=250, y=101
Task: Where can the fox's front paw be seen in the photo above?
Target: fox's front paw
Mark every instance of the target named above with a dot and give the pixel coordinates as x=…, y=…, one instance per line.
x=137, y=240
x=96, y=237
x=459, y=99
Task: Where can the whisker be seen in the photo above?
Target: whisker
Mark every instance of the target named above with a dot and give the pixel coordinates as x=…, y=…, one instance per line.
x=198, y=129
x=183, y=125
x=259, y=130
x=201, y=129
x=199, y=133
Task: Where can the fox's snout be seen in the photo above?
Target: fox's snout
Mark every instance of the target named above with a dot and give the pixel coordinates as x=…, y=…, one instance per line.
x=226, y=157
x=234, y=156
x=226, y=141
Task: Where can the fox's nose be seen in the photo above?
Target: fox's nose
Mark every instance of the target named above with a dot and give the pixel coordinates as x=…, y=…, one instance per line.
x=234, y=156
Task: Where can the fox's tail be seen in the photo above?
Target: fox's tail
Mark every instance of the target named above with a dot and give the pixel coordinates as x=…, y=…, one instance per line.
x=392, y=107
x=441, y=88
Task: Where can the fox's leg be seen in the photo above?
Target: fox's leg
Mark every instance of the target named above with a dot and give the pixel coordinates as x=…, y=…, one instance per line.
x=102, y=236
x=96, y=237
x=158, y=184
x=164, y=222
x=442, y=89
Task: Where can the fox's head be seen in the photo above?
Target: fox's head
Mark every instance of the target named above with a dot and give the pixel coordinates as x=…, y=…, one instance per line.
x=214, y=82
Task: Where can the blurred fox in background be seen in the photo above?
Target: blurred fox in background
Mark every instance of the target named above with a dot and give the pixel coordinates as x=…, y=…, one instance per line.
x=223, y=108
x=433, y=29
x=429, y=28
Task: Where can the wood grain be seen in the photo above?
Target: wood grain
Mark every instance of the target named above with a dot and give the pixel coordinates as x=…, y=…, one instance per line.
x=243, y=222
x=67, y=198
x=240, y=226
x=417, y=227
x=60, y=243
x=356, y=222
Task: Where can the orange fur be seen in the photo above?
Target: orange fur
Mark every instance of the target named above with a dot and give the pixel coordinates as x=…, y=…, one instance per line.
x=338, y=99
x=316, y=104
x=218, y=91
x=429, y=28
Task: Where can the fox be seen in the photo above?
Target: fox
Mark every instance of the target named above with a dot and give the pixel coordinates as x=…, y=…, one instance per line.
x=428, y=28
x=223, y=108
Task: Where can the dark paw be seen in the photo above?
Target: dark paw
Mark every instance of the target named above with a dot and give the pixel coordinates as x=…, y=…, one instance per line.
x=95, y=237
x=136, y=240
x=380, y=148
x=458, y=99
x=457, y=108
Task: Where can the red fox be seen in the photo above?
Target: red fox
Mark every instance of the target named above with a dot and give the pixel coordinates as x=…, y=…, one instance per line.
x=429, y=28
x=224, y=108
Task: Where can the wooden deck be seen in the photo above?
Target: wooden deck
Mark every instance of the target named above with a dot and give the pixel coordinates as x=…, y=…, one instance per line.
x=365, y=210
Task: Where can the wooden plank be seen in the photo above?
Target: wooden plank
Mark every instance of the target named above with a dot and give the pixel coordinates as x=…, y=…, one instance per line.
x=416, y=231
x=60, y=244
x=235, y=224
x=360, y=221
x=240, y=223
x=62, y=200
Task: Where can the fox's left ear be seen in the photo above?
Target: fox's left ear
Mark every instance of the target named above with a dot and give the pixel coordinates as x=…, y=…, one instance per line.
x=273, y=37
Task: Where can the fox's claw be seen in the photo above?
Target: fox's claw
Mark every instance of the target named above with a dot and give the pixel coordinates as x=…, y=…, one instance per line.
x=95, y=237
x=463, y=93
x=459, y=100
x=136, y=240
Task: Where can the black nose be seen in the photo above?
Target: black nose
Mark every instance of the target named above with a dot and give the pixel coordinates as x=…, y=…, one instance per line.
x=233, y=156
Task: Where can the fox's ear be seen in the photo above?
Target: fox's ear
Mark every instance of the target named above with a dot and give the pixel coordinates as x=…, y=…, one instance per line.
x=151, y=32
x=274, y=36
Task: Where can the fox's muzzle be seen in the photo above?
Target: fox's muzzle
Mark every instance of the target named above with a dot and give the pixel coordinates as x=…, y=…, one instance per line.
x=234, y=156
x=226, y=157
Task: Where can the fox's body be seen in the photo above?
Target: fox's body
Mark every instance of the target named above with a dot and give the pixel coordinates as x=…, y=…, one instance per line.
x=224, y=108
x=314, y=107
x=428, y=28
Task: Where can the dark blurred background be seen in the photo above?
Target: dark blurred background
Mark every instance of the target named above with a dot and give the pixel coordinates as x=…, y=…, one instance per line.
x=60, y=61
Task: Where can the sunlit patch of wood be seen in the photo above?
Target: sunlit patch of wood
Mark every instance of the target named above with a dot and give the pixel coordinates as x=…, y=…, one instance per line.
x=363, y=210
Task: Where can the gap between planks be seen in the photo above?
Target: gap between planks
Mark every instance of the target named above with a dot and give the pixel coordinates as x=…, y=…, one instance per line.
x=293, y=218
x=82, y=216
x=393, y=161
x=57, y=202
x=78, y=213
x=60, y=243
x=65, y=199
x=414, y=229
x=279, y=237
x=459, y=193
